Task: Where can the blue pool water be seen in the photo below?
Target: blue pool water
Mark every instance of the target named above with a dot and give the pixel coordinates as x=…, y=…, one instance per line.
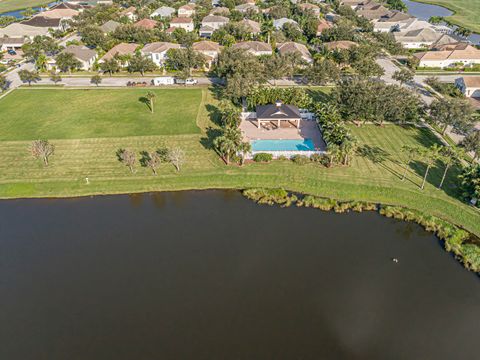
x=283, y=145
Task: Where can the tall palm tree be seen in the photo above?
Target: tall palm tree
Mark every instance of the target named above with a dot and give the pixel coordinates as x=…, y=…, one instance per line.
x=429, y=156
x=449, y=157
x=410, y=153
x=347, y=149
x=151, y=97
x=267, y=29
x=334, y=153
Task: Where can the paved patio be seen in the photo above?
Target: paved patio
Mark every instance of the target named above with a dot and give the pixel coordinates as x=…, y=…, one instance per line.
x=287, y=131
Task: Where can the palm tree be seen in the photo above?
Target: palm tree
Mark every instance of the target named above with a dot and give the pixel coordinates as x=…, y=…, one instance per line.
x=334, y=153
x=429, y=156
x=410, y=152
x=449, y=156
x=244, y=148
x=347, y=149
x=150, y=97
x=267, y=29
x=225, y=147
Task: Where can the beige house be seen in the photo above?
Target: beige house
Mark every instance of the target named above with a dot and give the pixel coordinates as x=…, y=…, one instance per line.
x=211, y=23
x=209, y=49
x=417, y=39
x=309, y=8
x=469, y=85
x=252, y=26
x=130, y=13
x=66, y=14
x=256, y=48
x=245, y=8
x=291, y=47
x=17, y=30
x=147, y=24
x=187, y=10
x=323, y=25
x=7, y=43
x=84, y=55
x=185, y=23
x=340, y=45
x=157, y=51
x=120, y=50
x=449, y=55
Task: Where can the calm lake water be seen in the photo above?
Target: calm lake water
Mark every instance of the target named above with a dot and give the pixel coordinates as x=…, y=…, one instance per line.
x=426, y=11
x=211, y=275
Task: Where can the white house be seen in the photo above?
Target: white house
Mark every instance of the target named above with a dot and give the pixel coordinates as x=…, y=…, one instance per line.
x=185, y=23
x=163, y=12
x=469, y=86
x=209, y=49
x=130, y=13
x=7, y=43
x=279, y=23
x=417, y=39
x=244, y=8
x=211, y=23
x=157, y=51
x=449, y=55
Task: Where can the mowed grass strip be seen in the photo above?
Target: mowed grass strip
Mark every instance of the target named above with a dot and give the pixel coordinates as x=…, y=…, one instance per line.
x=28, y=114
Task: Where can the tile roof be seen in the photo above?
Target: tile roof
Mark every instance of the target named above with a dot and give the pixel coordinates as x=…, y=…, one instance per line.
x=120, y=49
x=159, y=47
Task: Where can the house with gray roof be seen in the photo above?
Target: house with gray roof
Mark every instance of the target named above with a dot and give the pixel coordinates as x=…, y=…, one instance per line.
x=109, y=26
x=163, y=12
x=279, y=23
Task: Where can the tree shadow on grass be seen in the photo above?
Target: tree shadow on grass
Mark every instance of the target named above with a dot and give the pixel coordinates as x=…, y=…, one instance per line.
x=119, y=154
x=144, y=157
x=215, y=114
x=435, y=174
x=379, y=157
x=212, y=133
x=319, y=95
x=145, y=101
x=425, y=137
x=217, y=91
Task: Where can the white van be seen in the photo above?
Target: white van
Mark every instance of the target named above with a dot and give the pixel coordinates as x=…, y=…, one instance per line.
x=189, y=81
x=165, y=80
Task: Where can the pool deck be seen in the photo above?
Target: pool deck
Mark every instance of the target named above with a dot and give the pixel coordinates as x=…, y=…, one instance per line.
x=308, y=130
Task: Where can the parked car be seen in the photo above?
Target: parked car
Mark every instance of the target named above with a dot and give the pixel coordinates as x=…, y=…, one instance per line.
x=164, y=80
x=11, y=52
x=189, y=81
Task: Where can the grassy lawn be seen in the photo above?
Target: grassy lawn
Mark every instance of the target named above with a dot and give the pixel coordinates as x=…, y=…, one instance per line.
x=10, y=5
x=375, y=176
x=79, y=114
x=467, y=12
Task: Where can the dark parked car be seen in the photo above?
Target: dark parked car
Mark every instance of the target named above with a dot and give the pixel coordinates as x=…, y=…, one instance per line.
x=12, y=52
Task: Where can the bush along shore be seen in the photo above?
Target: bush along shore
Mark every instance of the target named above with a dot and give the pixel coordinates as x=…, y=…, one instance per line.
x=458, y=241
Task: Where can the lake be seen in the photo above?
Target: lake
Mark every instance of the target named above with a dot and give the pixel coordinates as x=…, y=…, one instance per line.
x=212, y=275
x=426, y=11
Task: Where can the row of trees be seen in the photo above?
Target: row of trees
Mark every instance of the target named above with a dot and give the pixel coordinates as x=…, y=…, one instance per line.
x=152, y=159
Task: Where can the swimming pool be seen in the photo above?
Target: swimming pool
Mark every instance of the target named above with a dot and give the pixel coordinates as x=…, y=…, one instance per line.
x=283, y=145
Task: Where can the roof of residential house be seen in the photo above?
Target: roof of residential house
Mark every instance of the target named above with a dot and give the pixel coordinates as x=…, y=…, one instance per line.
x=444, y=40
x=69, y=5
x=293, y=47
x=206, y=45
x=340, y=45
x=279, y=23
x=120, y=49
x=148, y=24
x=323, y=25
x=40, y=21
x=215, y=19
x=375, y=12
x=418, y=36
x=221, y=10
x=181, y=20
x=188, y=7
x=129, y=10
x=277, y=111
x=254, y=46
x=253, y=26
x=472, y=81
x=395, y=16
x=81, y=52
x=206, y=29
x=307, y=6
x=109, y=26
x=159, y=47
x=462, y=53
x=21, y=30
x=246, y=7
x=164, y=11
x=60, y=13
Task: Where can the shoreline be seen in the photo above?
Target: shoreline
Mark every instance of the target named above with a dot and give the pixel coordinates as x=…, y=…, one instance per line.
x=450, y=18
x=456, y=240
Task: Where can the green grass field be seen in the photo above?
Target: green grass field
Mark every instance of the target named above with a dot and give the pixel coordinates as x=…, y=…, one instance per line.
x=80, y=114
x=373, y=177
x=11, y=5
x=467, y=12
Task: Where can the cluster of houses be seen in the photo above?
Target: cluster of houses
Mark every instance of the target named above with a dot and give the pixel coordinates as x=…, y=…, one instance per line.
x=442, y=48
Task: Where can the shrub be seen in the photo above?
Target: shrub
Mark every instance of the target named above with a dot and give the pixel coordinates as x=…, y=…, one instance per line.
x=320, y=159
x=262, y=157
x=270, y=196
x=300, y=159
